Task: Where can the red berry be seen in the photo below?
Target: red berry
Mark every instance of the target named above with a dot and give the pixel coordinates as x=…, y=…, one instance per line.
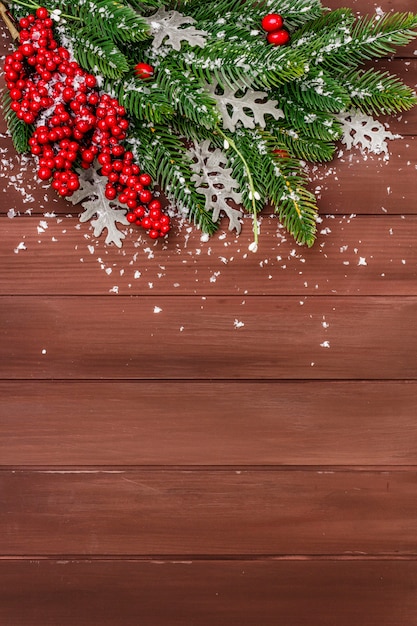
x=155, y=214
x=42, y=13
x=27, y=49
x=131, y=217
x=278, y=37
x=110, y=193
x=144, y=71
x=73, y=184
x=271, y=22
x=145, y=196
x=146, y=223
x=90, y=80
x=145, y=179
x=155, y=204
x=15, y=94
x=44, y=173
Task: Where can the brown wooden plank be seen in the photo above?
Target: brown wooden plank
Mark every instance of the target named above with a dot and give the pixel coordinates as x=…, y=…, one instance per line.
x=47, y=593
x=207, y=423
x=356, y=184
x=351, y=183
x=60, y=260
x=210, y=512
x=203, y=338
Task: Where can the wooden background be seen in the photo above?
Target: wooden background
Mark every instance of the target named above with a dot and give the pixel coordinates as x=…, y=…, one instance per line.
x=178, y=445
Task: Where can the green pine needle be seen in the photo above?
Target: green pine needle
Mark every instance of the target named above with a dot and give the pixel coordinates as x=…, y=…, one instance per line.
x=379, y=92
x=20, y=132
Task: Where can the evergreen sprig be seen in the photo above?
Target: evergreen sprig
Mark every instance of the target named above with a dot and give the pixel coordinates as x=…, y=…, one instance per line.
x=313, y=79
x=20, y=132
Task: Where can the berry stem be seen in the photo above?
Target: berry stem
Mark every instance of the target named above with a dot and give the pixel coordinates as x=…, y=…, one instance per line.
x=8, y=21
x=228, y=142
x=35, y=6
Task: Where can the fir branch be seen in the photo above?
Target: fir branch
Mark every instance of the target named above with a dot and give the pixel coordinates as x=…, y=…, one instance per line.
x=98, y=54
x=237, y=64
x=285, y=184
x=306, y=148
x=118, y=21
x=141, y=100
x=187, y=95
x=308, y=123
x=317, y=91
x=379, y=92
x=164, y=156
x=19, y=130
x=370, y=37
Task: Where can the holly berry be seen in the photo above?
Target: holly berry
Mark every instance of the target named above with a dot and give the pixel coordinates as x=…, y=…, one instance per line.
x=77, y=121
x=144, y=71
x=278, y=37
x=271, y=22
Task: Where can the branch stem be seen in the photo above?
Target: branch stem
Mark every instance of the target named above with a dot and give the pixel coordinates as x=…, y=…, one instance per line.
x=9, y=22
x=252, y=191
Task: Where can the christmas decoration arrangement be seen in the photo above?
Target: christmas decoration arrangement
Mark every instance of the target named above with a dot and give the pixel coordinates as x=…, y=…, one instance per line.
x=221, y=103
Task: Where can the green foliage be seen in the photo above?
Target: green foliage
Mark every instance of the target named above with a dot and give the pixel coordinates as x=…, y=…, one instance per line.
x=379, y=92
x=163, y=155
x=369, y=37
x=118, y=21
x=188, y=98
x=138, y=99
x=98, y=54
x=315, y=77
x=20, y=132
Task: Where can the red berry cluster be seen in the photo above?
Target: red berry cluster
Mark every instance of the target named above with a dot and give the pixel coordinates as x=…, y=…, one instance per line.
x=75, y=123
x=273, y=24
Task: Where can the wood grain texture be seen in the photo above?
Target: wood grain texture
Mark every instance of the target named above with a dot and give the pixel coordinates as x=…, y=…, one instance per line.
x=44, y=593
x=60, y=260
x=349, y=184
x=200, y=338
x=214, y=512
x=207, y=423
x=219, y=433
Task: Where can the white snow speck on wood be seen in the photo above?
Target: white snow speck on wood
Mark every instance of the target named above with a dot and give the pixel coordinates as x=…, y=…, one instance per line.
x=253, y=247
x=325, y=344
x=238, y=324
x=362, y=261
x=43, y=351
x=11, y=213
x=157, y=309
x=21, y=246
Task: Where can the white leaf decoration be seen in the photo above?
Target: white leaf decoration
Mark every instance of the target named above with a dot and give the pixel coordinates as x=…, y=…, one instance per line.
x=363, y=131
x=166, y=28
x=92, y=198
x=233, y=108
x=214, y=181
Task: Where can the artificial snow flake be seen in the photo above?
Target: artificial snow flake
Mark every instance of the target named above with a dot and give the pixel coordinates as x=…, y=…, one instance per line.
x=232, y=108
x=166, y=28
x=214, y=181
x=363, y=131
x=92, y=198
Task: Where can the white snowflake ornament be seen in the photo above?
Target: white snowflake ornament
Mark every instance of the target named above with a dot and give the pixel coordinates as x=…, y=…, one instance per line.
x=232, y=108
x=363, y=131
x=166, y=28
x=214, y=181
x=92, y=198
